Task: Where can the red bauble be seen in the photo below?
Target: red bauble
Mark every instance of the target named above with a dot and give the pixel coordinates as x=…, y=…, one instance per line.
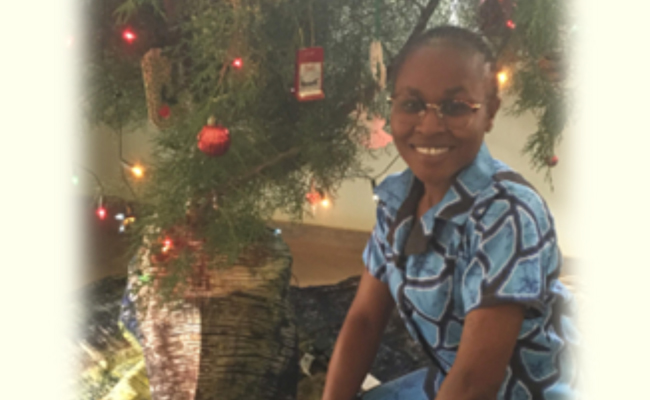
x=164, y=112
x=552, y=161
x=214, y=140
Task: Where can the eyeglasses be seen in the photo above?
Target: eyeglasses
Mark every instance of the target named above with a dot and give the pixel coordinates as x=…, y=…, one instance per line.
x=410, y=111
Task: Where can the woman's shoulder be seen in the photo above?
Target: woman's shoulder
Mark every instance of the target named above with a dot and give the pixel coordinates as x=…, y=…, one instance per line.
x=510, y=192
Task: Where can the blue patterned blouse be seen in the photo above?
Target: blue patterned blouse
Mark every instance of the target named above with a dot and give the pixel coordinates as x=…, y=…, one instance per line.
x=491, y=240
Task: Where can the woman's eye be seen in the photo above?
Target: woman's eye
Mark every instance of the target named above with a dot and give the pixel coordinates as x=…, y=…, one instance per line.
x=410, y=106
x=454, y=108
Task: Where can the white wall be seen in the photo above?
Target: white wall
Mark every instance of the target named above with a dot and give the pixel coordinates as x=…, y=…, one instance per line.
x=101, y=155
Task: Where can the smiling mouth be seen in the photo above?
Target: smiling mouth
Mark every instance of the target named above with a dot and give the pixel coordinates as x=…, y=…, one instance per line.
x=431, y=151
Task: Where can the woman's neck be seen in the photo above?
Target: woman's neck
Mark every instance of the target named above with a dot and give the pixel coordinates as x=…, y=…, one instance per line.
x=433, y=194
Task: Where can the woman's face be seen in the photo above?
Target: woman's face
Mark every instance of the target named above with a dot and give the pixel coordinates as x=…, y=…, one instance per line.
x=436, y=150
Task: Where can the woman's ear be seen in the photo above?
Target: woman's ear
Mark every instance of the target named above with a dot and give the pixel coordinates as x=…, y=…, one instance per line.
x=493, y=106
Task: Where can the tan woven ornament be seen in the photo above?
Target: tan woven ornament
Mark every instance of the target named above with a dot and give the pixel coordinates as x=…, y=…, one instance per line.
x=156, y=72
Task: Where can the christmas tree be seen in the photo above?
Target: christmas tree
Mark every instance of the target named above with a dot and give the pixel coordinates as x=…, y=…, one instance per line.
x=258, y=101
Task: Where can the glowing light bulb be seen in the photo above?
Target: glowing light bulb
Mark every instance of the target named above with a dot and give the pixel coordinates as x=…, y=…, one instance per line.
x=167, y=245
x=129, y=36
x=137, y=171
x=238, y=63
x=325, y=203
x=278, y=231
x=502, y=77
x=119, y=217
x=375, y=198
x=510, y=24
x=101, y=213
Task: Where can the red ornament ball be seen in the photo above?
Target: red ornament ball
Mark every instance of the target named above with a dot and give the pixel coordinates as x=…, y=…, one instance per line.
x=214, y=140
x=164, y=112
x=552, y=162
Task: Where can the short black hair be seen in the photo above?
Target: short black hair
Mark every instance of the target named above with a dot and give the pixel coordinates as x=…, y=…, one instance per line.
x=453, y=34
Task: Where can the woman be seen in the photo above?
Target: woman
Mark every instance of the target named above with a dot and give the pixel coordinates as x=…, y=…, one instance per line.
x=463, y=247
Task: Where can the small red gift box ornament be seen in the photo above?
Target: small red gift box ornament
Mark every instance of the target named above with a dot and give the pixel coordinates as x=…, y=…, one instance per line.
x=308, y=84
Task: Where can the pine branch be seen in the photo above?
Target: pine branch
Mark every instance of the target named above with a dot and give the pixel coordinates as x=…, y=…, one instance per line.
x=420, y=26
x=257, y=170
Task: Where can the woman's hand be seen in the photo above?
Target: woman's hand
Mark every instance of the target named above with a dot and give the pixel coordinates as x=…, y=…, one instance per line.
x=486, y=346
x=359, y=339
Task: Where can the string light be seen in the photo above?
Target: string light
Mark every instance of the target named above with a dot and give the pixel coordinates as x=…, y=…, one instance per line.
x=510, y=24
x=238, y=63
x=502, y=77
x=75, y=180
x=101, y=210
x=325, y=203
x=167, y=245
x=129, y=36
x=137, y=171
x=126, y=221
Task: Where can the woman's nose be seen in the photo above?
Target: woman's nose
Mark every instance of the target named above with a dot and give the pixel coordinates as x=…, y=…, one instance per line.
x=431, y=122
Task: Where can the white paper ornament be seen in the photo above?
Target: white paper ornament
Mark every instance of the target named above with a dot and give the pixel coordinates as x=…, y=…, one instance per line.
x=377, y=64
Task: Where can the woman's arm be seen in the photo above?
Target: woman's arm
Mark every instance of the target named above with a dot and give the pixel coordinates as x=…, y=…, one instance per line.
x=486, y=346
x=359, y=339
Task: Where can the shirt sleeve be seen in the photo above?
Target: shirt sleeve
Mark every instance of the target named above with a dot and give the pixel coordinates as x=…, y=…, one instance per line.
x=377, y=248
x=513, y=250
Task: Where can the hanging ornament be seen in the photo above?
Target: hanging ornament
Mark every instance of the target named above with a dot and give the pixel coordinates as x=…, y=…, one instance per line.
x=164, y=112
x=309, y=74
x=552, y=161
x=315, y=196
x=213, y=140
x=378, y=138
x=494, y=16
x=377, y=66
x=156, y=72
x=553, y=66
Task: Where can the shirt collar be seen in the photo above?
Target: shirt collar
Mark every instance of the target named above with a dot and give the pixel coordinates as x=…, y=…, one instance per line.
x=457, y=202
